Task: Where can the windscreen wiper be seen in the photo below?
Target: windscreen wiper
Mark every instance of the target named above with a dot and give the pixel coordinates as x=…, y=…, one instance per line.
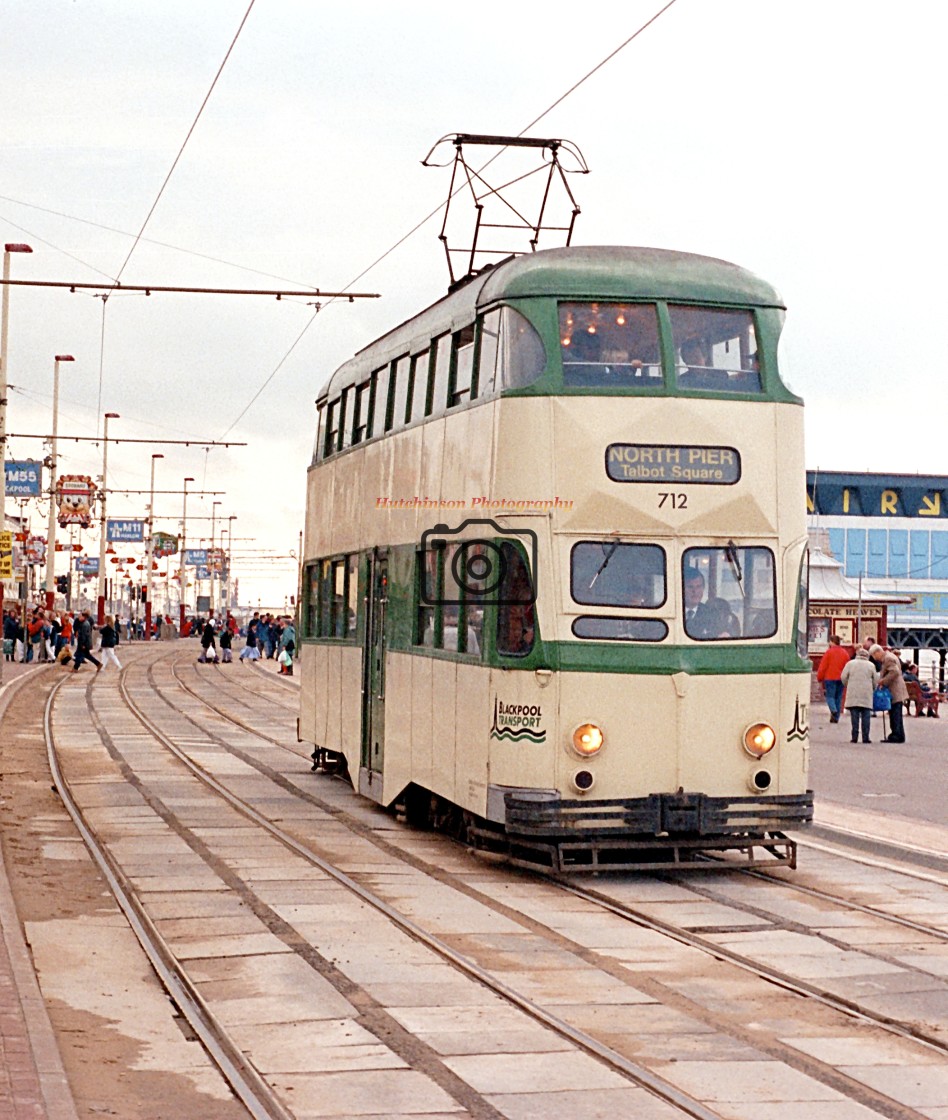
x=605, y=561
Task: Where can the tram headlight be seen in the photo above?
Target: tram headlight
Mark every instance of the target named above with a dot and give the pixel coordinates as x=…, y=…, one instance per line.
x=759, y=739
x=587, y=740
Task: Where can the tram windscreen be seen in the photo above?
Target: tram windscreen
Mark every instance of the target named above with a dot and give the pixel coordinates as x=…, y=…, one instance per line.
x=613, y=574
x=729, y=594
x=610, y=345
x=715, y=349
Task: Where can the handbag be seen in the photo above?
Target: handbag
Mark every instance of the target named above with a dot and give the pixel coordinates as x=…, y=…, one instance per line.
x=882, y=699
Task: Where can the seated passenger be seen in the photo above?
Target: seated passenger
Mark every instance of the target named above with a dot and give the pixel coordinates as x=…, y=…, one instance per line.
x=720, y=620
x=699, y=373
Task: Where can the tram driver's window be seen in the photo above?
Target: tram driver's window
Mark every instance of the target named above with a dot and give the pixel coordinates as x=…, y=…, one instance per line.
x=332, y=428
x=729, y=594
x=360, y=411
x=516, y=617
x=610, y=345
x=488, y=354
x=610, y=573
x=715, y=349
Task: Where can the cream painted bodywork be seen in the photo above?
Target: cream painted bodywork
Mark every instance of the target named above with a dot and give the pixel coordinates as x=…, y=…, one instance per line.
x=662, y=732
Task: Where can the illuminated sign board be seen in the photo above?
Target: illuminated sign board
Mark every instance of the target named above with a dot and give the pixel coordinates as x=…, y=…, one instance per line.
x=679, y=464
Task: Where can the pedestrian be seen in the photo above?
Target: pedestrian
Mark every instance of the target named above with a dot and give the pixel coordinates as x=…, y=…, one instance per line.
x=890, y=677
x=860, y=679
x=287, y=648
x=110, y=639
x=227, y=639
x=829, y=672
x=10, y=628
x=84, y=643
x=208, y=643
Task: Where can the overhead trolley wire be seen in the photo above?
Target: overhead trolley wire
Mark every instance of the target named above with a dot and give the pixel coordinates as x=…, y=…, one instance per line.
x=184, y=144
x=612, y=54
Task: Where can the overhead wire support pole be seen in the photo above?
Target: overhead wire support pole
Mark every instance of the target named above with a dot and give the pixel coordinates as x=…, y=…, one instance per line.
x=279, y=293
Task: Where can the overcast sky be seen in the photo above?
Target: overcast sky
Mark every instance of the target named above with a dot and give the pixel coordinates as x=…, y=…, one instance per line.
x=801, y=140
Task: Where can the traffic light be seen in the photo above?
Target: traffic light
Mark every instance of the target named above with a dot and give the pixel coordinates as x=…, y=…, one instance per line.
x=62, y=584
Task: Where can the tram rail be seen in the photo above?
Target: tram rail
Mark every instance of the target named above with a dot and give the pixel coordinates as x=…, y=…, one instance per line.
x=783, y=979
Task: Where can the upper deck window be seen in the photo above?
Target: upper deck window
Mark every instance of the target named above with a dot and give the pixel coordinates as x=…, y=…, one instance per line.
x=610, y=345
x=715, y=349
x=511, y=353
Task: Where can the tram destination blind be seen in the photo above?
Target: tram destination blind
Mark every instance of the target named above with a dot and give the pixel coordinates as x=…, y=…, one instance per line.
x=656, y=462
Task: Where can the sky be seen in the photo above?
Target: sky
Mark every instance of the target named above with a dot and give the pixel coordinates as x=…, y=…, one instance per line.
x=801, y=141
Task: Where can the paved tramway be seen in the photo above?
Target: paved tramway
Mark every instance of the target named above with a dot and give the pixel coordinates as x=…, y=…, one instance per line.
x=584, y=952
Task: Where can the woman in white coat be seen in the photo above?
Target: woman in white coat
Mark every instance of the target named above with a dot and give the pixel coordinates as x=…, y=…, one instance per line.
x=860, y=678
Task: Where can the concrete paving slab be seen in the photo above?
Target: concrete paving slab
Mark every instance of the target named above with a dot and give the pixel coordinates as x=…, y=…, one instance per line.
x=315, y=1046
x=590, y=1104
x=748, y=1082
x=915, y=1085
x=815, y=1110
x=319, y=1001
x=876, y=1049
x=240, y=945
x=405, y=1092
x=533, y=1073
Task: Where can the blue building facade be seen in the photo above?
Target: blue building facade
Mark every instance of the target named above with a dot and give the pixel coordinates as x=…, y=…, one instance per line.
x=890, y=532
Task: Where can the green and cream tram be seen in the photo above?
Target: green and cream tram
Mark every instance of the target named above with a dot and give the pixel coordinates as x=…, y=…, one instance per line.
x=554, y=588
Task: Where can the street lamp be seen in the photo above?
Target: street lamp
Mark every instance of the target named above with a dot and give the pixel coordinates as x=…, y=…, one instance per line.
x=151, y=547
x=103, y=524
x=230, y=553
x=212, y=556
x=4, y=321
x=184, y=531
x=51, y=532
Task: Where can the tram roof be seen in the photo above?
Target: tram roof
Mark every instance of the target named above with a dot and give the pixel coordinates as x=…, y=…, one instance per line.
x=578, y=272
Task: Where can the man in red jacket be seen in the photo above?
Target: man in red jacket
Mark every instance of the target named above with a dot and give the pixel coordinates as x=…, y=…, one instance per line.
x=830, y=670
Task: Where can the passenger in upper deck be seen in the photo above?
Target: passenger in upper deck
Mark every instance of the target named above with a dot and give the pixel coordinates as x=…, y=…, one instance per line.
x=695, y=370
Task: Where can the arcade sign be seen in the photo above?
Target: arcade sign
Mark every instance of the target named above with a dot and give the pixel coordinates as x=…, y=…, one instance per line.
x=75, y=495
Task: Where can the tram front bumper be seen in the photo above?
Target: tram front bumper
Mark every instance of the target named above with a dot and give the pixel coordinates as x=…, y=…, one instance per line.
x=537, y=814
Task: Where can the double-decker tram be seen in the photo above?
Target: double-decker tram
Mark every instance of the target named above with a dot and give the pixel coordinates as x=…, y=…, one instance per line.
x=554, y=587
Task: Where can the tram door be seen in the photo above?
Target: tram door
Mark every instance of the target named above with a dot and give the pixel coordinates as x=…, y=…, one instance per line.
x=373, y=676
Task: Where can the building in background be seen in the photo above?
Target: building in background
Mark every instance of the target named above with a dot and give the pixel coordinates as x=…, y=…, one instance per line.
x=889, y=533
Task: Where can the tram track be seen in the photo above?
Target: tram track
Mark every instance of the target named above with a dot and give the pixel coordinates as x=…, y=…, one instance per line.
x=259, y=1101
x=777, y=977
x=936, y=932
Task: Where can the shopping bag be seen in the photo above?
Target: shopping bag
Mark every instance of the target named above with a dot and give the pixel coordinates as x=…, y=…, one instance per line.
x=882, y=700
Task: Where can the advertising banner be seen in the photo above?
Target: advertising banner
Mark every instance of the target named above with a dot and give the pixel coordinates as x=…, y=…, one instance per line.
x=24, y=479
x=125, y=530
x=163, y=544
x=75, y=494
x=36, y=550
x=6, y=555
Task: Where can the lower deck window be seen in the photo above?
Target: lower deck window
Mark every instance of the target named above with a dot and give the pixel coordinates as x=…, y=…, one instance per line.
x=603, y=629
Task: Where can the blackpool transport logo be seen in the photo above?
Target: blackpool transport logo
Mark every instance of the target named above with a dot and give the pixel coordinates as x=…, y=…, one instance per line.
x=517, y=723
x=800, y=729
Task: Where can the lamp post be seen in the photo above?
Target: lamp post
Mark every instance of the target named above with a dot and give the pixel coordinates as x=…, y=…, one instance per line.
x=103, y=524
x=181, y=554
x=4, y=322
x=212, y=555
x=150, y=549
x=230, y=553
x=51, y=532
x=8, y=250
